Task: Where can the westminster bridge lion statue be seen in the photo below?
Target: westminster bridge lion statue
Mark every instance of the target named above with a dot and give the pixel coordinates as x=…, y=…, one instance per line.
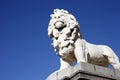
x=70, y=46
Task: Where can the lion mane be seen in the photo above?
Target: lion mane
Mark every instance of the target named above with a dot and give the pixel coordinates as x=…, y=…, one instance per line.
x=63, y=29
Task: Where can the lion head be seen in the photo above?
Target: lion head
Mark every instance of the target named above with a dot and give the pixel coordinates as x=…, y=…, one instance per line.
x=64, y=30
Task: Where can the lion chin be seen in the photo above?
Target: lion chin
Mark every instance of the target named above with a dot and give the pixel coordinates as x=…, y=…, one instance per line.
x=70, y=46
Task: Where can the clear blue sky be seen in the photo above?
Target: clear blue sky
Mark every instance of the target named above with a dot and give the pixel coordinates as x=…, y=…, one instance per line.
x=25, y=50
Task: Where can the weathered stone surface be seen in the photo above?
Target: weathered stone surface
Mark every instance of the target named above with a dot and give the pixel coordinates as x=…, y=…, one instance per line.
x=106, y=72
x=85, y=71
x=83, y=67
x=117, y=74
x=66, y=72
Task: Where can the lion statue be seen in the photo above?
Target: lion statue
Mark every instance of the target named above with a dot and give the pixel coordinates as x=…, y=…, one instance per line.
x=70, y=46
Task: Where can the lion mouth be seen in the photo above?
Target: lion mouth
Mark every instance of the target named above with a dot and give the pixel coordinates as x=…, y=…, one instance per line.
x=67, y=50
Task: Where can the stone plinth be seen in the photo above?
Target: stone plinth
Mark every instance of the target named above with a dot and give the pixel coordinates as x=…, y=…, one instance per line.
x=85, y=71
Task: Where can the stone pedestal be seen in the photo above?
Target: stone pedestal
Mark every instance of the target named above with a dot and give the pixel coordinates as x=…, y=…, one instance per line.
x=85, y=71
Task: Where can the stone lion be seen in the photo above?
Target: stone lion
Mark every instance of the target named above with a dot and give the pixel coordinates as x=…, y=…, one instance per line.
x=70, y=46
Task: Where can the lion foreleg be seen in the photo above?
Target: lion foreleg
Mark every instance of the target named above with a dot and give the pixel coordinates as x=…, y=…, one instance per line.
x=79, y=53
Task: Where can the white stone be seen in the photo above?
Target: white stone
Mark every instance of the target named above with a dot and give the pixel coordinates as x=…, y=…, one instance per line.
x=70, y=46
x=85, y=71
